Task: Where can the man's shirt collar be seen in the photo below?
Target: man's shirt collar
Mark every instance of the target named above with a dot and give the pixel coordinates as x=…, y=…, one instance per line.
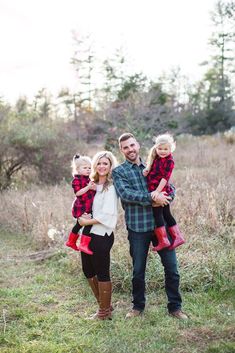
x=130, y=164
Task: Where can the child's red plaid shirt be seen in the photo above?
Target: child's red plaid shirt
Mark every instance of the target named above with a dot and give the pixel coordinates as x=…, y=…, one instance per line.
x=84, y=202
x=161, y=168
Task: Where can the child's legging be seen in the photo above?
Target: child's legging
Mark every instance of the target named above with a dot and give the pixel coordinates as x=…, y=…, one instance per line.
x=77, y=227
x=163, y=216
x=98, y=264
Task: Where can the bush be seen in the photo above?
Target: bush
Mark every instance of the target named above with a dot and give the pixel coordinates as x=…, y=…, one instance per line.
x=230, y=135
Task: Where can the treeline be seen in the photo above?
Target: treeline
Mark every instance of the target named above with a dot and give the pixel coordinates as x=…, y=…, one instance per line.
x=38, y=139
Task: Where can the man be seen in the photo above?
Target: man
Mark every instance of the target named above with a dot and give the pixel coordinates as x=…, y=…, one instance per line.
x=137, y=202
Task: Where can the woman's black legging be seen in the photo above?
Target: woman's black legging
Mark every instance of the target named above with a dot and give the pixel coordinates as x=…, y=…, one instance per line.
x=98, y=264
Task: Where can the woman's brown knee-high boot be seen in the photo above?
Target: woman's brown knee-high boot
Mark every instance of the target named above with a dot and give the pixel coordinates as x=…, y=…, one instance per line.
x=93, y=282
x=105, y=294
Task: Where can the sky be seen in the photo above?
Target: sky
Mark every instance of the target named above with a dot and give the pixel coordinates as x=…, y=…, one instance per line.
x=37, y=44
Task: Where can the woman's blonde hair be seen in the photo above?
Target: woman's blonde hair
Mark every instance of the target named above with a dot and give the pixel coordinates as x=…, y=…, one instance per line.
x=160, y=140
x=78, y=161
x=95, y=160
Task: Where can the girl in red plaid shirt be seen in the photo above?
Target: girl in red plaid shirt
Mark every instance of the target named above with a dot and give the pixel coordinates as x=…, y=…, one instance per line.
x=160, y=165
x=84, y=190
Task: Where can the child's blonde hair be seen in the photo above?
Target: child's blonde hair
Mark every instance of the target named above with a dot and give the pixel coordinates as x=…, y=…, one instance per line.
x=78, y=161
x=160, y=140
x=95, y=160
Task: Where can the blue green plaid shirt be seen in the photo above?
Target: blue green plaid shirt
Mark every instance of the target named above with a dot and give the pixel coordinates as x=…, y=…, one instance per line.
x=131, y=186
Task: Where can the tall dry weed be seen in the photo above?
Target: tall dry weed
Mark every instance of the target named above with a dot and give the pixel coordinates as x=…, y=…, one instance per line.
x=44, y=213
x=204, y=177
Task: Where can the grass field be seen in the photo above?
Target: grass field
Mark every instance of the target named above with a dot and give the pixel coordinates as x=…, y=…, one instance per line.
x=45, y=301
x=45, y=306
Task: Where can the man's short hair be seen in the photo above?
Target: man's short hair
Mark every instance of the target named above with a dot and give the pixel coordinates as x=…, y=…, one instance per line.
x=125, y=137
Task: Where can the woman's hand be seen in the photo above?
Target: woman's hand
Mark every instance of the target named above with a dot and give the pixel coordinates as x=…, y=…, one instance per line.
x=84, y=221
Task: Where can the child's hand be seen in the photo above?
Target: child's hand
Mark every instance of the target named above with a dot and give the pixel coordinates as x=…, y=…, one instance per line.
x=145, y=172
x=86, y=215
x=92, y=185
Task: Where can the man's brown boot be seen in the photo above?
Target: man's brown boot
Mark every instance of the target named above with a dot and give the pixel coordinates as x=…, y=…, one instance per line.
x=133, y=313
x=179, y=314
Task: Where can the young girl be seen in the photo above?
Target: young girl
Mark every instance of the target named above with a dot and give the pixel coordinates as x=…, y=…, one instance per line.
x=84, y=190
x=159, y=167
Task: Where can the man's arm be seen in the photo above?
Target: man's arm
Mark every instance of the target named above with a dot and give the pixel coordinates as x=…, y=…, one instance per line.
x=128, y=194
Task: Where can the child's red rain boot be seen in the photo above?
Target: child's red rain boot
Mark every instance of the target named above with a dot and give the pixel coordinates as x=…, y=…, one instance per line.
x=71, y=242
x=163, y=241
x=84, y=243
x=176, y=236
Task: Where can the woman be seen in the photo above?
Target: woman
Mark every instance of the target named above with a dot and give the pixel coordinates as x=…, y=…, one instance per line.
x=96, y=267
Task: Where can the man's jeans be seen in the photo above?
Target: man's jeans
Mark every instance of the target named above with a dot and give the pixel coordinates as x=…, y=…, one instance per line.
x=139, y=246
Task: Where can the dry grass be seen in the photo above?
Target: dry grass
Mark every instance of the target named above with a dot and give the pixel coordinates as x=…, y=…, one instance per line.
x=205, y=180
x=43, y=212
x=44, y=302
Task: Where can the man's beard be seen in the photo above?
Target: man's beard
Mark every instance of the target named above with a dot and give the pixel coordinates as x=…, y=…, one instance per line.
x=132, y=156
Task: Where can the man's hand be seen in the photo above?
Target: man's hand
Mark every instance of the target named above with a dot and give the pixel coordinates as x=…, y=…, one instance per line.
x=162, y=199
x=154, y=195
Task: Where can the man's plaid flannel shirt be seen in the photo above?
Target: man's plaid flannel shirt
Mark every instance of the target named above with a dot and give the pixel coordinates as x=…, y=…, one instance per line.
x=131, y=186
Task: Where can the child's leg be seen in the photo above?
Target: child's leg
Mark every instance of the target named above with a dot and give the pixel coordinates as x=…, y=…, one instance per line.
x=85, y=241
x=176, y=235
x=87, y=230
x=160, y=230
x=170, y=220
x=76, y=228
x=158, y=216
x=73, y=237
